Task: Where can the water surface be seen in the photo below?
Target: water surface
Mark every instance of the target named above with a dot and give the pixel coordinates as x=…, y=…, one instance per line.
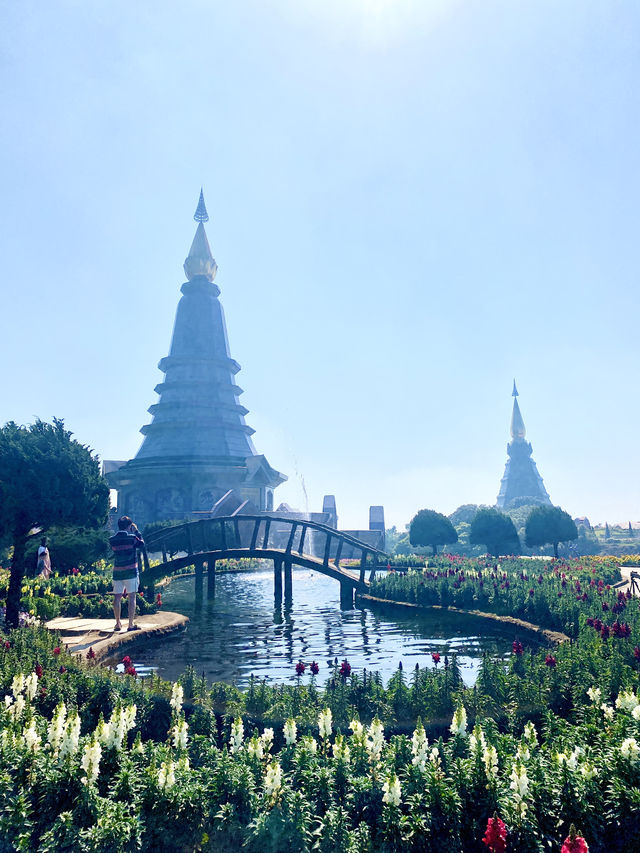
x=241, y=632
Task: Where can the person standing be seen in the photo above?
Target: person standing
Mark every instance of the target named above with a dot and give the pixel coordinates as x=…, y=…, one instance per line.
x=44, y=560
x=125, y=545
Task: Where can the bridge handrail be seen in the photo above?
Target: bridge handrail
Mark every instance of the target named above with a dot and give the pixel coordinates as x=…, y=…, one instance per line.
x=157, y=536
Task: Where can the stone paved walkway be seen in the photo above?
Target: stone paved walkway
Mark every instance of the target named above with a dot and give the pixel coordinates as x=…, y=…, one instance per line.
x=80, y=634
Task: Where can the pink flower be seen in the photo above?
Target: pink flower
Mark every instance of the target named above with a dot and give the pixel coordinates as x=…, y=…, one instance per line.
x=495, y=836
x=56, y=651
x=574, y=843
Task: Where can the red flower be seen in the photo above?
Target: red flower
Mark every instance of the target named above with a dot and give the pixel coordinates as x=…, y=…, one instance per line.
x=74, y=571
x=300, y=668
x=517, y=647
x=315, y=669
x=131, y=670
x=574, y=843
x=495, y=836
x=56, y=651
x=550, y=661
x=126, y=660
x=38, y=670
x=7, y=645
x=158, y=600
x=91, y=655
x=79, y=592
x=62, y=669
x=435, y=657
x=345, y=669
x=636, y=652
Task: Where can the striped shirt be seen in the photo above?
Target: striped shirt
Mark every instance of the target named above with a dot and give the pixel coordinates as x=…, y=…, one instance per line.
x=125, y=563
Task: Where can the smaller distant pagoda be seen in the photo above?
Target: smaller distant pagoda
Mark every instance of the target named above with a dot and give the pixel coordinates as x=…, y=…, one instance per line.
x=521, y=483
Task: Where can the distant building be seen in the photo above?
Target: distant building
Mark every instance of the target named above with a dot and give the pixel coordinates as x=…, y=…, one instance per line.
x=521, y=483
x=197, y=446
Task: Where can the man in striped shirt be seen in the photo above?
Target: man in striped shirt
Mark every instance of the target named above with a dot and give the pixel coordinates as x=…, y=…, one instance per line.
x=125, y=545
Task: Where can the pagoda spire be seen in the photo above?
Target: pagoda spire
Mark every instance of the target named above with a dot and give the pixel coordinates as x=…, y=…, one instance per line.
x=201, y=214
x=200, y=261
x=518, y=430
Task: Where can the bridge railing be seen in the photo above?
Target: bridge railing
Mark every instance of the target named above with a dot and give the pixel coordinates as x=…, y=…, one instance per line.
x=265, y=532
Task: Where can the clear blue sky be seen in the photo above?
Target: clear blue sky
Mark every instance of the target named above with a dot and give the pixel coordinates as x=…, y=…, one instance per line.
x=411, y=202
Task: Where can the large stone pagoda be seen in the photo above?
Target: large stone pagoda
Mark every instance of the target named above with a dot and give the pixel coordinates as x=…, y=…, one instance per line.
x=197, y=446
x=521, y=483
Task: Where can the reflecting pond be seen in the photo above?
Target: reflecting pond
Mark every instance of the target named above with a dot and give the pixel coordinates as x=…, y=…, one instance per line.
x=240, y=633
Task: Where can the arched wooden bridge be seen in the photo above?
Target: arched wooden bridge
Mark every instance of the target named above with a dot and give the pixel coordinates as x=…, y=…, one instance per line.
x=285, y=541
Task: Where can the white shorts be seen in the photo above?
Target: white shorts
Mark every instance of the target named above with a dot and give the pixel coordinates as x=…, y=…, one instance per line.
x=125, y=587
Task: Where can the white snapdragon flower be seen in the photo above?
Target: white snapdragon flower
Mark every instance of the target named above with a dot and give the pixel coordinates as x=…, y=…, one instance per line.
x=31, y=686
x=325, y=721
x=530, y=734
x=179, y=733
x=636, y=713
x=71, y=737
x=237, y=735
x=341, y=749
x=627, y=700
x=308, y=744
x=419, y=747
x=255, y=747
x=459, y=722
x=595, y=694
x=434, y=757
x=267, y=740
x=588, y=770
x=392, y=790
x=630, y=750
x=183, y=763
x=91, y=760
x=16, y=709
x=477, y=740
x=608, y=711
x=31, y=737
x=522, y=752
x=290, y=731
x=177, y=698
x=166, y=775
x=17, y=685
x=375, y=741
x=357, y=728
x=520, y=786
x=56, y=727
x=273, y=780
x=490, y=760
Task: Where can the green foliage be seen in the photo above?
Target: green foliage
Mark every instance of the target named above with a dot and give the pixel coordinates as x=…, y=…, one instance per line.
x=549, y=525
x=428, y=527
x=495, y=531
x=70, y=548
x=46, y=479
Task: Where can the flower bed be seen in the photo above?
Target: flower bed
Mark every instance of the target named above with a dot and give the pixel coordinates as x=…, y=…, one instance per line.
x=95, y=762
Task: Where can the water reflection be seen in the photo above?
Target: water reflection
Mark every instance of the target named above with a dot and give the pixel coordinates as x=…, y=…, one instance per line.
x=240, y=633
